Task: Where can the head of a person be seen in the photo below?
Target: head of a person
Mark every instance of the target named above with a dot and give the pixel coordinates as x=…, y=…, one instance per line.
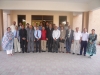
x=8, y=29
x=93, y=31
x=84, y=30
x=27, y=25
x=35, y=24
x=23, y=26
x=77, y=29
x=43, y=28
x=41, y=24
x=67, y=23
x=16, y=27
x=20, y=24
x=55, y=27
x=30, y=26
x=69, y=27
x=37, y=28
x=62, y=28
x=14, y=22
x=47, y=24
x=50, y=25
x=60, y=25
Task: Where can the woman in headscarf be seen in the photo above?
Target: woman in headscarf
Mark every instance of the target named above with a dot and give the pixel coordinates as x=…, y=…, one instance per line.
x=7, y=41
x=91, y=47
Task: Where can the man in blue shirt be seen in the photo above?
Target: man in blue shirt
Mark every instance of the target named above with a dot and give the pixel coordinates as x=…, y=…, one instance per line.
x=37, y=35
x=16, y=40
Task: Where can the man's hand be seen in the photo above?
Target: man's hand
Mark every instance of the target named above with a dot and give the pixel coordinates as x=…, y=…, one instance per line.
x=46, y=38
x=23, y=38
x=60, y=38
x=55, y=39
x=27, y=40
x=72, y=41
x=9, y=38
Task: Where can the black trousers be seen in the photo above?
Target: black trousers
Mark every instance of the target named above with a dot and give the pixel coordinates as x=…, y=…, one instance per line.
x=83, y=46
x=50, y=42
x=38, y=45
x=55, y=45
x=24, y=45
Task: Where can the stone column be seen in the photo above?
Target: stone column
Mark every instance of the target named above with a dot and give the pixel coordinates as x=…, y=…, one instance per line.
x=1, y=27
x=85, y=20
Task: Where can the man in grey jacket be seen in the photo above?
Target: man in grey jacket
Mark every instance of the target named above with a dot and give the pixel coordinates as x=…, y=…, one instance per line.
x=30, y=39
x=69, y=39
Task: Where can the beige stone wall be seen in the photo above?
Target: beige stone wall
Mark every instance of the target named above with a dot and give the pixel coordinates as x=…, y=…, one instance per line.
x=1, y=27
x=77, y=22
x=94, y=22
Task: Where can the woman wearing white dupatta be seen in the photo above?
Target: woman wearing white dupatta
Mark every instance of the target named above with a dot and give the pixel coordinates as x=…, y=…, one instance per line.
x=7, y=41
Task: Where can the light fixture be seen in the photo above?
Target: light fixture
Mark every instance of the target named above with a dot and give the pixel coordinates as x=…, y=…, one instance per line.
x=64, y=22
x=23, y=20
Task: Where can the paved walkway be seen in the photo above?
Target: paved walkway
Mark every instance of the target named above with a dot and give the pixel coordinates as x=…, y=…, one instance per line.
x=49, y=64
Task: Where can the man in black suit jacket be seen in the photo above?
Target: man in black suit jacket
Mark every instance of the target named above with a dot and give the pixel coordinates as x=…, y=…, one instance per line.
x=23, y=39
x=50, y=38
x=46, y=26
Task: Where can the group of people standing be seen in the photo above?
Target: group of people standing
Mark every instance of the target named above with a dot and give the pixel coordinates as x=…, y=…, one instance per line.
x=48, y=38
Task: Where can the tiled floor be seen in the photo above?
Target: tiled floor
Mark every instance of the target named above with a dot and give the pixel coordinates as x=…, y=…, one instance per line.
x=49, y=64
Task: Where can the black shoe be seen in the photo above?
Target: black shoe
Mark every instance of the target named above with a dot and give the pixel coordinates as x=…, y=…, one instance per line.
x=84, y=55
x=73, y=53
x=91, y=55
x=80, y=54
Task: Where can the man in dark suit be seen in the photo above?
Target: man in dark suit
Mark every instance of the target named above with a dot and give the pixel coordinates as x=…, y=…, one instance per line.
x=50, y=38
x=23, y=39
x=69, y=39
x=47, y=26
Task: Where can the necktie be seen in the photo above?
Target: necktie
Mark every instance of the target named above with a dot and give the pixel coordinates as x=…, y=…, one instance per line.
x=16, y=35
x=37, y=34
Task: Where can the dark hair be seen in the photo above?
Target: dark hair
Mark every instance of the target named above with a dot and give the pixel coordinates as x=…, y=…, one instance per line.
x=93, y=29
x=43, y=26
x=8, y=28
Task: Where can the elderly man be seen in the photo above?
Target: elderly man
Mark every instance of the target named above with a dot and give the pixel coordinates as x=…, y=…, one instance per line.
x=13, y=26
x=49, y=38
x=16, y=40
x=30, y=39
x=37, y=35
x=84, y=40
x=77, y=40
x=66, y=26
x=69, y=39
x=55, y=35
x=19, y=26
x=62, y=39
x=43, y=39
x=23, y=39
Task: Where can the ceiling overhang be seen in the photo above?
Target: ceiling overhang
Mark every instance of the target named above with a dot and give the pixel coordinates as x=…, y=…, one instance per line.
x=49, y=5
